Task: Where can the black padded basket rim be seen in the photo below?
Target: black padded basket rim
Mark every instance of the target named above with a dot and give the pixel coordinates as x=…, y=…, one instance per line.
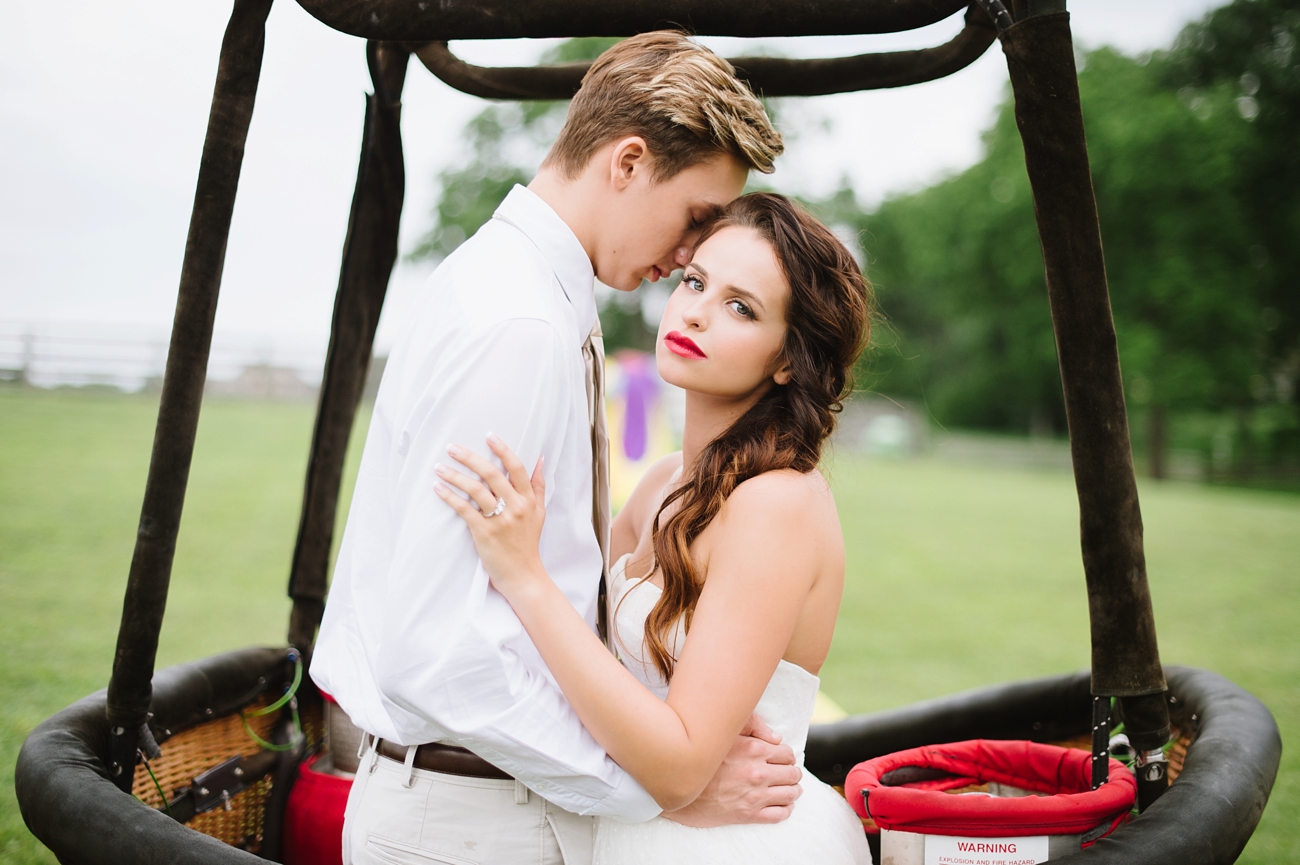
x=1207, y=816
x=68, y=800
x=172, y=712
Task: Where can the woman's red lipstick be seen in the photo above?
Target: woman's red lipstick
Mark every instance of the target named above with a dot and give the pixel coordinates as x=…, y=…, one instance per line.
x=681, y=345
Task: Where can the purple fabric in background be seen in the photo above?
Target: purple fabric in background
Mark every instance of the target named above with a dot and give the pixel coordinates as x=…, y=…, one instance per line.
x=640, y=389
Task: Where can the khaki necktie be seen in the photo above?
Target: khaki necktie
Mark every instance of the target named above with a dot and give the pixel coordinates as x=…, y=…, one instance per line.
x=593, y=356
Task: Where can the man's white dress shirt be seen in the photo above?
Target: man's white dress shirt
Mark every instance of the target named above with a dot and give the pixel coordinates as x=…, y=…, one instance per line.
x=416, y=646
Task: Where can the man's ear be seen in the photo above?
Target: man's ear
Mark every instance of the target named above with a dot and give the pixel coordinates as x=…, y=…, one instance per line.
x=629, y=158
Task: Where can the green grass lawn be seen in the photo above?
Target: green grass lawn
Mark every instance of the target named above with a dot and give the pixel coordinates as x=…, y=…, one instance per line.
x=958, y=576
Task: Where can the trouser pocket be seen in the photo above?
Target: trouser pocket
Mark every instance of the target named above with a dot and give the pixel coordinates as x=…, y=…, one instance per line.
x=397, y=853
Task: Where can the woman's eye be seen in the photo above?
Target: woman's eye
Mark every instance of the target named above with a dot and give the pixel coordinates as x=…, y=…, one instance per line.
x=694, y=283
x=740, y=307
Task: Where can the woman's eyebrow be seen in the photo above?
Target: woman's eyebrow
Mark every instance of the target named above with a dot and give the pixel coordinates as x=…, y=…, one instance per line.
x=753, y=299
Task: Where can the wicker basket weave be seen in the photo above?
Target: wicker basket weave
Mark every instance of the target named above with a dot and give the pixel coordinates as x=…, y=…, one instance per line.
x=194, y=751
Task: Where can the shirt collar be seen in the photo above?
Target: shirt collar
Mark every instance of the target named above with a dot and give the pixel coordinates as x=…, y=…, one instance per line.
x=526, y=211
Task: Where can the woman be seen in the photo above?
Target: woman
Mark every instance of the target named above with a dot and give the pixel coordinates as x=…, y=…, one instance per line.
x=728, y=558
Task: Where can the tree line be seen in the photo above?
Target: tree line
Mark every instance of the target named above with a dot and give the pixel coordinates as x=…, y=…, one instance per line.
x=1196, y=167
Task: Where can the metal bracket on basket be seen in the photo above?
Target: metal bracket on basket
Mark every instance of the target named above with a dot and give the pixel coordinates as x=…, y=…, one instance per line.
x=218, y=785
x=1152, y=771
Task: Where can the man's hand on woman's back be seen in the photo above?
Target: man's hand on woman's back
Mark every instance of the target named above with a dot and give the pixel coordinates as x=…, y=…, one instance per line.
x=758, y=782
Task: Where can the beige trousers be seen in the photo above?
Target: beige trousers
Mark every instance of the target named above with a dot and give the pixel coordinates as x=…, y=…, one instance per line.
x=401, y=816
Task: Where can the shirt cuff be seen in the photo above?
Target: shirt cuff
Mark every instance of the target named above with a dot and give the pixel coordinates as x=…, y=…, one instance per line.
x=628, y=803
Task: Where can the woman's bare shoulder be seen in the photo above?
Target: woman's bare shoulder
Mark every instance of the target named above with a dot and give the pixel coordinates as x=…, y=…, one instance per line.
x=774, y=535
x=782, y=489
x=794, y=504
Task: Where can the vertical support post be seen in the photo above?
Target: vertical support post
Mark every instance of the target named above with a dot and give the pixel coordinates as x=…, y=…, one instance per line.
x=1125, y=656
x=369, y=254
x=130, y=688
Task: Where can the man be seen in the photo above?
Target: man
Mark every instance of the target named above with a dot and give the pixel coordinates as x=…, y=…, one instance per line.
x=473, y=753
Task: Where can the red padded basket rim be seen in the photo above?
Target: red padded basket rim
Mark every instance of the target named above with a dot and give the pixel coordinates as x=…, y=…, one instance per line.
x=1065, y=774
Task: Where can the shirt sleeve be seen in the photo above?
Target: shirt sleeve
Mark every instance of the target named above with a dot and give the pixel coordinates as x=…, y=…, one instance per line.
x=454, y=662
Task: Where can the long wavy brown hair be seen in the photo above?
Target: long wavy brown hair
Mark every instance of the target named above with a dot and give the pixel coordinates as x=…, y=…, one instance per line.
x=827, y=326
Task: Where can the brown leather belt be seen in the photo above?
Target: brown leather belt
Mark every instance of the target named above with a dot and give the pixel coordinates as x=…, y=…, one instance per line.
x=447, y=759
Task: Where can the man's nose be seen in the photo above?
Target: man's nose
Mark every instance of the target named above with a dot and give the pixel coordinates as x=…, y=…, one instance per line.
x=682, y=256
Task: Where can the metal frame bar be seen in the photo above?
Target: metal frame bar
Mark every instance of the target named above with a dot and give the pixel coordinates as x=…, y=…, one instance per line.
x=422, y=21
x=768, y=76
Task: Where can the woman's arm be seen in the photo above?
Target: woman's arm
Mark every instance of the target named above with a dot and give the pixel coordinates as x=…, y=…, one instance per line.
x=761, y=568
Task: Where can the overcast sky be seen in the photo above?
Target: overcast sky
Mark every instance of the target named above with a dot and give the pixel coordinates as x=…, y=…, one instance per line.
x=103, y=109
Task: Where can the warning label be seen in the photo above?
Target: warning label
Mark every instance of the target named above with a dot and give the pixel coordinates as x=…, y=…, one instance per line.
x=951, y=850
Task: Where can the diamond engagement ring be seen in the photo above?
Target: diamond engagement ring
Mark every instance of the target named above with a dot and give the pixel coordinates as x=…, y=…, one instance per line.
x=501, y=506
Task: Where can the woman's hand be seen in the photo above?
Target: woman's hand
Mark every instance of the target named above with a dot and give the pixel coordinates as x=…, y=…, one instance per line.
x=507, y=524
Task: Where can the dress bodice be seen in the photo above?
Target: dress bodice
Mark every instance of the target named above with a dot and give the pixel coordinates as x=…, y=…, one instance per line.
x=822, y=827
x=787, y=702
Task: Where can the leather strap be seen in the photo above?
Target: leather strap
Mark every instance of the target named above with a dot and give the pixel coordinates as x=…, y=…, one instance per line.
x=447, y=759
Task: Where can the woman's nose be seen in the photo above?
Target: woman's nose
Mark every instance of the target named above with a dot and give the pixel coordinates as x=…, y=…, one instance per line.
x=693, y=315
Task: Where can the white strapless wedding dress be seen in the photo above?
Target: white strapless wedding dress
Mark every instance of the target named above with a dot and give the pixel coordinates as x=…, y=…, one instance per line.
x=822, y=830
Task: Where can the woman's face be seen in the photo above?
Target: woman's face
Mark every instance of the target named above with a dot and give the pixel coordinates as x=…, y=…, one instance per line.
x=722, y=332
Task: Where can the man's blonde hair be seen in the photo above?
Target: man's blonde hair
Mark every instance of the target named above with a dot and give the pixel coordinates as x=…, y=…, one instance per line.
x=683, y=99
